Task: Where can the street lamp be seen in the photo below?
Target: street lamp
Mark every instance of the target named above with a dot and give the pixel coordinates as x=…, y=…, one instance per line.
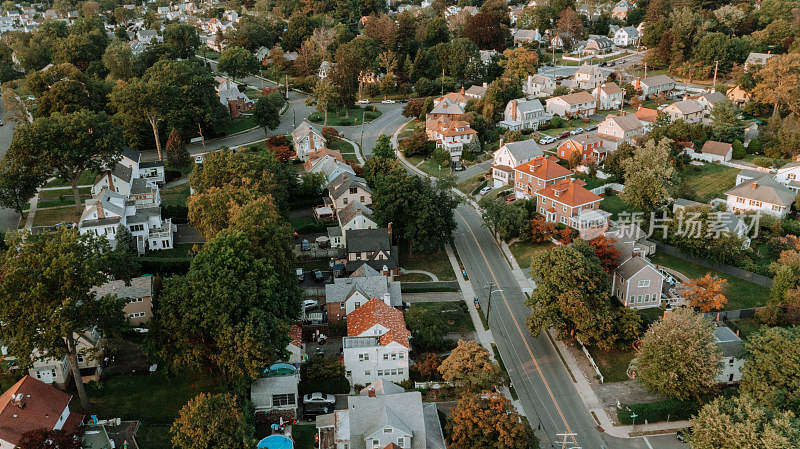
x=489, y=306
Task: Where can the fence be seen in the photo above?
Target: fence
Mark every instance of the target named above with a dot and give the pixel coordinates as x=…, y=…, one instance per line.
x=727, y=269
x=591, y=360
x=732, y=315
x=429, y=384
x=611, y=185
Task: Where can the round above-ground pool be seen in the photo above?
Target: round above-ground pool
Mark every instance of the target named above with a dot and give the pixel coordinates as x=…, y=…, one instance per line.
x=276, y=442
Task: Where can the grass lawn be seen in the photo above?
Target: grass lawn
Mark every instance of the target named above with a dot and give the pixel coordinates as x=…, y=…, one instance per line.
x=86, y=178
x=51, y=194
x=415, y=160
x=612, y=364
x=240, y=123
x=469, y=185
x=741, y=294
x=615, y=205
x=413, y=277
x=154, y=400
x=175, y=196
x=433, y=168
x=179, y=251
x=339, y=117
x=745, y=326
x=524, y=251
x=710, y=180
x=454, y=312
x=303, y=435
x=50, y=217
x=436, y=263
x=254, y=94
x=408, y=129
x=56, y=202
x=344, y=147
x=571, y=124
x=591, y=181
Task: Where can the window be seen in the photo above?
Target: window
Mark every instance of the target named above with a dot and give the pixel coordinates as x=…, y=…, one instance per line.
x=348, y=373
x=353, y=190
x=730, y=362
x=401, y=441
x=564, y=209
x=387, y=430
x=341, y=305
x=133, y=300
x=380, y=372
x=394, y=372
x=394, y=356
x=386, y=357
x=136, y=315
x=755, y=203
x=367, y=372
x=643, y=283
x=344, y=200
x=740, y=200
x=563, y=220
x=400, y=371
x=279, y=400
x=357, y=305
x=361, y=198
x=402, y=355
x=80, y=359
x=165, y=243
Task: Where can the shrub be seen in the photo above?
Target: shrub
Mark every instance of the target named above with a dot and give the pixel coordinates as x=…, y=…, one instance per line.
x=738, y=149
x=171, y=175
x=330, y=134
x=658, y=411
x=163, y=266
x=754, y=146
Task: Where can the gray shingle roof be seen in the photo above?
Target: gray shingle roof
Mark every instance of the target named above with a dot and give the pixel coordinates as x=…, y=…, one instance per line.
x=343, y=182
x=139, y=288
x=687, y=106
x=353, y=209
x=632, y=266
x=524, y=149
x=764, y=189
x=359, y=240
x=657, y=80
x=404, y=410
x=372, y=286
x=139, y=186
x=122, y=172
x=730, y=344
x=100, y=222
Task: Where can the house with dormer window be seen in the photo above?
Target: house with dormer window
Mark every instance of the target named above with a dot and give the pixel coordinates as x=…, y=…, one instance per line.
x=377, y=343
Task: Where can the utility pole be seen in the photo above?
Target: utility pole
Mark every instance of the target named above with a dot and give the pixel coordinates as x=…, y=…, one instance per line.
x=489, y=306
x=294, y=118
x=716, y=66
x=442, y=81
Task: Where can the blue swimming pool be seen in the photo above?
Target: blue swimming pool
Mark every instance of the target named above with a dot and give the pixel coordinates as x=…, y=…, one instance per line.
x=276, y=442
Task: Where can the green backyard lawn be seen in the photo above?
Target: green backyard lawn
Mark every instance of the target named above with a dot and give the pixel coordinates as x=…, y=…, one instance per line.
x=524, y=251
x=85, y=179
x=50, y=217
x=239, y=124
x=436, y=263
x=470, y=184
x=454, y=313
x=741, y=294
x=175, y=196
x=344, y=147
x=613, y=364
x=709, y=181
x=615, y=205
x=341, y=117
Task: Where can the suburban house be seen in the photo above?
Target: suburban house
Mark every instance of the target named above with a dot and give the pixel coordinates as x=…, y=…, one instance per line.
x=372, y=247
x=316, y=156
x=654, y=85
x=609, y=96
x=306, y=140
x=757, y=60
x=235, y=102
x=524, y=114
x=636, y=282
x=588, y=147
x=647, y=117
x=347, y=188
x=295, y=347
x=733, y=352
x=276, y=394
x=710, y=99
x=452, y=135
x=353, y=216
x=597, y=45
x=110, y=434
x=578, y=104
x=349, y=293
x=139, y=212
x=616, y=129
x=444, y=111
x=569, y=203
x=714, y=151
x=690, y=111
x=377, y=343
x=763, y=194
x=789, y=175
x=139, y=296
x=738, y=96
x=120, y=178
x=460, y=98
x=382, y=416
x=511, y=155
x=31, y=405
x=588, y=77
x=621, y=9
x=523, y=37
x=331, y=168
x=534, y=175
x=538, y=86
x=626, y=37
x=475, y=91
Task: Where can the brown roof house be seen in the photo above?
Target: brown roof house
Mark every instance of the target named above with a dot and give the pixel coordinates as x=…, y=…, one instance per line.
x=690, y=111
x=714, y=151
x=138, y=295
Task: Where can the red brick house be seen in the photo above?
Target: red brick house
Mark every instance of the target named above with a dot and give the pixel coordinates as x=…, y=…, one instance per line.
x=569, y=203
x=534, y=175
x=588, y=145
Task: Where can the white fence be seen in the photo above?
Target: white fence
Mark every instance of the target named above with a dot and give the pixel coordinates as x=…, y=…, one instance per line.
x=611, y=185
x=432, y=384
x=591, y=360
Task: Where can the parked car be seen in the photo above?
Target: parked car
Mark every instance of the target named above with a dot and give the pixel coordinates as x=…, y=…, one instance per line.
x=198, y=159
x=364, y=101
x=318, y=275
x=457, y=166
x=311, y=411
x=591, y=127
x=304, y=245
x=387, y=101
x=563, y=135
x=683, y=434
x=319, y=398
x=486, y=190
x=576, y=131
x=511, y=198
x=310, y=303
x=546, y=140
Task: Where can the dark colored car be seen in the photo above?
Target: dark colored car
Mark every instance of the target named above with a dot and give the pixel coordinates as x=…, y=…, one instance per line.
x=563, y=135
x=683, y=434
x=311, y=411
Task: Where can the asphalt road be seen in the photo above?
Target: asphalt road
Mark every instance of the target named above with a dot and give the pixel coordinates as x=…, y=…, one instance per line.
x=8, y=217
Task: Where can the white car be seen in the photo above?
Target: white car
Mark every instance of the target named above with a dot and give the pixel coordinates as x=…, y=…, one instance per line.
x=198, y=159
x=546, y=140
x=486, y=190
x=661, y=107
x=387, y=101
x=364, y=101
x=576, y=131
x=310, y=303
x=319, y=398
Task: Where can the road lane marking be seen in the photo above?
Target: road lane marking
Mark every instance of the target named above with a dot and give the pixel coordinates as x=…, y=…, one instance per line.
x=516, y=324
x=647, y=442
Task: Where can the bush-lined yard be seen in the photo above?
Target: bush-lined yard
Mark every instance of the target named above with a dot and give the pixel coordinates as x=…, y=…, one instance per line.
x=709, y=181
x=341, y=117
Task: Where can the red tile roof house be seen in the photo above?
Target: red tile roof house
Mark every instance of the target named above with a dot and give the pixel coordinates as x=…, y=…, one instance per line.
x=532, y=176
x=569, y=203
x=588, y=145
x=377, y=344
x=31, y=405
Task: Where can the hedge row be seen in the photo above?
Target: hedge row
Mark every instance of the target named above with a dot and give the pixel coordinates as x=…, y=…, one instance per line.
x=671, y=409
x=339, y=385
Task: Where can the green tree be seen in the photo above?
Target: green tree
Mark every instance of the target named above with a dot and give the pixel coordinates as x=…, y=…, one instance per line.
x=183, y=38
x=741, y=422
x=267, y=111
x=345, y=76
x=322, y=96
x=427, y=327
x=48, y=280
x=771, y=373
x=725, y=123
x=297, y=30
x=251, y=312
x=383, y=148
x=470, y=366
x=118, y=60
x=519, y=62
x=177, y=156
x=237, y=62
x=211, y=421
x=678, y=356
x=648, y=175
x=66, y=145
x=143, y=99
x=18, y=184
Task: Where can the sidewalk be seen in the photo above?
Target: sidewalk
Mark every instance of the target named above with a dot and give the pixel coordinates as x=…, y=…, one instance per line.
x=527, y=285
x=485, y=337
x=356, y=148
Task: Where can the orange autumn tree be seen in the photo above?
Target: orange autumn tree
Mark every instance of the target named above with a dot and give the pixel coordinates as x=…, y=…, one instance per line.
x=488, y=420
x=604, y=251
x=541, y=230
x=705, y=293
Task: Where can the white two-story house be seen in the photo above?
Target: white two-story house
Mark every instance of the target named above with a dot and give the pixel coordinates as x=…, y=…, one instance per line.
x=377, y=344
x=789, y=175
x=538, y=86
x=626, y=37
x=524, y=114
x=306, y=140
x=511, y=155
x=578, y=104
x=609, y=95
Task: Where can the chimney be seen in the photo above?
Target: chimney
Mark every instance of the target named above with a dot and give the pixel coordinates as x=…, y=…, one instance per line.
x=462, y=90
x=389, y=229
x=100, y=212
x=501, y=143
x=385, y=271
x=513, y=109
x=311, y=141
x=110, y=182
x=371, y=391
x=387, y=298
x=755, y=185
